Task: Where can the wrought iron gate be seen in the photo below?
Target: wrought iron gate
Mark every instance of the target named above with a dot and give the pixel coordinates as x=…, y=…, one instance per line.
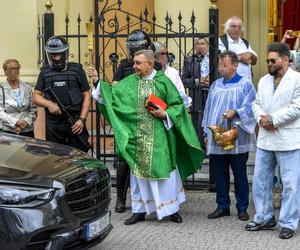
x=110, y=33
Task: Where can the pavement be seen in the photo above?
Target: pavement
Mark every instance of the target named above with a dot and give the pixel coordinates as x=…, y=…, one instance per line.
x=196, y=231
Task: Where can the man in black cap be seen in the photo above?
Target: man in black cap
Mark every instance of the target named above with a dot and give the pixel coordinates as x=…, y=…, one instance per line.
x=63, y=90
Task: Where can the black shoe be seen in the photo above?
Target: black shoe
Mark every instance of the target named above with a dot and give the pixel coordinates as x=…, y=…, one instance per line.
x=219, y=213
x=244, y=216
x=120, y=206
x=253, y=226
x=135, y=218
x=176, y=218
x=286, y=233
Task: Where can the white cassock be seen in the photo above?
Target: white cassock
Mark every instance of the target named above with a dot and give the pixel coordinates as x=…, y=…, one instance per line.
x=161, y=196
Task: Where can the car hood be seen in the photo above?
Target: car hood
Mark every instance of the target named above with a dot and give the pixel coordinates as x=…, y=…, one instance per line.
x=29, y=161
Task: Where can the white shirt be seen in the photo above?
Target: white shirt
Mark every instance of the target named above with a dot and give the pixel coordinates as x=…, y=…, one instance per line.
x=174, y=76
x=239, y=47
x=204, y=71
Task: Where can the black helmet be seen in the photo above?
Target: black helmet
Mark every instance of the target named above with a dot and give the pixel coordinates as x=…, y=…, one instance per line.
x=57, y=45
x=137, y=40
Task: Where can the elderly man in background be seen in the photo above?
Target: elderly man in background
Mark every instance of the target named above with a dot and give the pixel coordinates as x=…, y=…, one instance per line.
x=233, y=41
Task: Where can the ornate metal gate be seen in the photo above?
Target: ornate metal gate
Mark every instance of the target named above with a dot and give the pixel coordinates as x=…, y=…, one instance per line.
x=111, y=25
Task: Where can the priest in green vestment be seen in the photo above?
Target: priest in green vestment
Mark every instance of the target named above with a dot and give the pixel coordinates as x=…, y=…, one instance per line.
x=161, y=146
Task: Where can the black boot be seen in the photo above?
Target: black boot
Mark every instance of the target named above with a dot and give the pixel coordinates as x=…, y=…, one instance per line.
x=135, y=218
x=176, y=218
x=122, y=182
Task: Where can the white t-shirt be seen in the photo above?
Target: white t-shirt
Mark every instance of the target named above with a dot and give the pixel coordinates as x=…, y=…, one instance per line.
x=17, y=96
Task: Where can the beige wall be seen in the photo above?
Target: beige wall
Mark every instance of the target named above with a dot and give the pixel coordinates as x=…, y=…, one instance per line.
x=257, y=26
x=18, y=36
x=200, y=8
x=186, y=7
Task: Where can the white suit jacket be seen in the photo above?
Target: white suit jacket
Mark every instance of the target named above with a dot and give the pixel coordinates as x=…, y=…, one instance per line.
x=284, y=107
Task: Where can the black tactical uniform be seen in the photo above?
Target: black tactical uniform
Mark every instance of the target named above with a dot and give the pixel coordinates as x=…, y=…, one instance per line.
x=68, y=81
x=136, y=40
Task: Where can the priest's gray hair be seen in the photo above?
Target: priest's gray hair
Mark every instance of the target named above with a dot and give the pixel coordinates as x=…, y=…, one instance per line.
x=149, y=55
x=229, y=21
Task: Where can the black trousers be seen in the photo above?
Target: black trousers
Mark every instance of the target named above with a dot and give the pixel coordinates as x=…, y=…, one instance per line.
x=62, y=133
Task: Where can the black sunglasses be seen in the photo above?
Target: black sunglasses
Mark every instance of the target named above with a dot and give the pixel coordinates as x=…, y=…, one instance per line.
x=163, y=53
x=272, y=61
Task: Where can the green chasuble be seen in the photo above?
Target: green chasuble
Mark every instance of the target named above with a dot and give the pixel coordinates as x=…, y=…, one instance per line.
x=141, y=139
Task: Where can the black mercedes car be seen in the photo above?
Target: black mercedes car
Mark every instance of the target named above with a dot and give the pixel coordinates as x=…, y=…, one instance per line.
x=51, y=196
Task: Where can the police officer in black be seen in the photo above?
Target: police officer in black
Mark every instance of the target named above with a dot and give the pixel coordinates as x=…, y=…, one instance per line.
x=136, y=40
x=69, y=84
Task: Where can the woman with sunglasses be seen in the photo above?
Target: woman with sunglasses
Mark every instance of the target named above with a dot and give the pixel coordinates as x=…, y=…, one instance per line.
x=161, y=56
x=17, y=113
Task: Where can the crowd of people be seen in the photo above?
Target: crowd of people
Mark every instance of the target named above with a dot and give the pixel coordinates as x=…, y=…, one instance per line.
x=156, y=141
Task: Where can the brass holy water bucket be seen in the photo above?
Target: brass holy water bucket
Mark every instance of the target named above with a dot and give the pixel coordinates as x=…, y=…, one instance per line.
x=223, y=137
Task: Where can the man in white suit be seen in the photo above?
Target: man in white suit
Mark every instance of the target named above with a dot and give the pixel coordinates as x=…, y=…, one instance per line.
x=277, y=111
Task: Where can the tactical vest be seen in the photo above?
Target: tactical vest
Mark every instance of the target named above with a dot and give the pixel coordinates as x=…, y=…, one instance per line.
x=66, y=86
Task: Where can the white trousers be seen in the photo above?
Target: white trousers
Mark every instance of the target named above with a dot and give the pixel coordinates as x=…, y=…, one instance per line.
x=289, y=164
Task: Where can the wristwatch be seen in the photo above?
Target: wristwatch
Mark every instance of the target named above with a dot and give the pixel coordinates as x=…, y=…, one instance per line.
x=82, y=119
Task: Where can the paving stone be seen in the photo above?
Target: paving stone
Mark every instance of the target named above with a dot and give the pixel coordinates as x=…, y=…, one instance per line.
x=196, y=231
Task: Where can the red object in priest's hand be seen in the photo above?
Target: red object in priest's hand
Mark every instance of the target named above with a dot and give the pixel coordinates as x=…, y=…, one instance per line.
x=153, y=101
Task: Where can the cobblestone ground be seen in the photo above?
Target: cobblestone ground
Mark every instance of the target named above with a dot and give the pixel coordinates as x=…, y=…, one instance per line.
x=196, y=231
